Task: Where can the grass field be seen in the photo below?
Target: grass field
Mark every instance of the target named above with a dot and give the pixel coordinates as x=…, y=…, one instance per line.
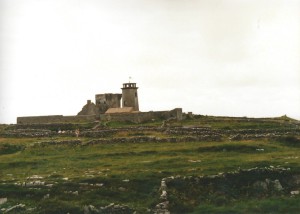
x=72, y=176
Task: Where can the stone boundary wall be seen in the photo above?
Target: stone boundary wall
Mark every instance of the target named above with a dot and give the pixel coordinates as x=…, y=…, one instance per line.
x=136, y=117
x=56, y=119
x=140, y=117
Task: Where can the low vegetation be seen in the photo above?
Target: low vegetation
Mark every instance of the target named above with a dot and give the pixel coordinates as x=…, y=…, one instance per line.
x=60, y=173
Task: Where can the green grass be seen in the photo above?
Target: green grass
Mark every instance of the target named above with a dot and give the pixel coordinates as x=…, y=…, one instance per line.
x=144, y=165
x=241, y=123
x=131, y=173
x=271, y=205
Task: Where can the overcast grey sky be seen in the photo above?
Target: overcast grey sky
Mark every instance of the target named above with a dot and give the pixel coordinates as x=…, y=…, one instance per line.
x=211, y=57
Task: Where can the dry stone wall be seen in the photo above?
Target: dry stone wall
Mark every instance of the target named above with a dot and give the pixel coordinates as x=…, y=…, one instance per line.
x=136, y=117
x=140, y=117
x=149, y=134
x=55, y=119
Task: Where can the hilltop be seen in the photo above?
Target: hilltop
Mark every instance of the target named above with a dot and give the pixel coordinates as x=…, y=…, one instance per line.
x=199, y=164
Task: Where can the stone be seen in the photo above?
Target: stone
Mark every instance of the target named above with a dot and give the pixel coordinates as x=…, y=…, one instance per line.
x=15, y=208
x=33, y=177
x=90, y=209
x=163, y=185
x=296, y=179
x=261, y=185
x=3, y=201
x=33, y=183
x=277, y=185
x=116, y=208
x=162, y=208
x=163, y=195
x=194, y=161
x=122, y=189
x=296, y=192
x=46, y=196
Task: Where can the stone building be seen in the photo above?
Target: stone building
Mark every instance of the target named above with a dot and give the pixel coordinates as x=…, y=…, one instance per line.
x=109, y=107
x=106, y=101
x=130, y=96
x=113, y=103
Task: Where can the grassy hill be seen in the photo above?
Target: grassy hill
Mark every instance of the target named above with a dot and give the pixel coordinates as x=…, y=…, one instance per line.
x=203, y=164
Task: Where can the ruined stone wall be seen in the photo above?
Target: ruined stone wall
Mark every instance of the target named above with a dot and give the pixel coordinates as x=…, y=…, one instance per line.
x=136, y=117
x=139, y=117
x=55, y=119
x=89, y=109
x=106, y=101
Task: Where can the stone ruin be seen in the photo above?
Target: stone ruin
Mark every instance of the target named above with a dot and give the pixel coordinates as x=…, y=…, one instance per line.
x=108, y=107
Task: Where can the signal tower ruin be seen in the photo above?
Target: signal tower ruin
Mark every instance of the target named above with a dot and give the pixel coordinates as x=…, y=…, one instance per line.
x=130, y=96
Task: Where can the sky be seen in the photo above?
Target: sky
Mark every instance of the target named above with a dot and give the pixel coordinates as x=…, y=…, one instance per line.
x=209, y=57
